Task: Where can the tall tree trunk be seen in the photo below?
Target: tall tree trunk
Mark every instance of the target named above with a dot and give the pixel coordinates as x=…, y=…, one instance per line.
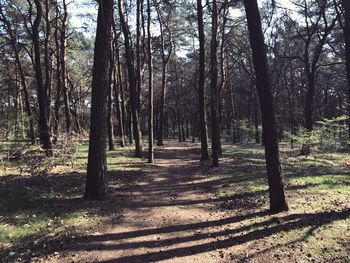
x=222, y=73
x=346, y=6
x=132, y=83
x=215, y=140
x=118, y=106
x=119, y=90
x=44, y=130
x=47, y=57
x=276, y=188
x=64, y=67
x=150, y=86
x=57, y=105
x=138, y=54
x=201, y=84
x=96, y=181
x=165, y=61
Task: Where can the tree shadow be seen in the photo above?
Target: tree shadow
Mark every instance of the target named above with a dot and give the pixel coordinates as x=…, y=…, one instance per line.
x=218, y=239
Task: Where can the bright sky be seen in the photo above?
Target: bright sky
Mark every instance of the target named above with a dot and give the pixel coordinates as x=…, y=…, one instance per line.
x=83, y=13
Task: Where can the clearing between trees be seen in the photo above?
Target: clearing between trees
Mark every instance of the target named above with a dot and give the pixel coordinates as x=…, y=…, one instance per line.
x=177, y=210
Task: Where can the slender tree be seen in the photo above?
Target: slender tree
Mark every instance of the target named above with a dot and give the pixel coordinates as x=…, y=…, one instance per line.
x=276, y=190
x=201, y=84
x=129, y=57
x=150, y=86
x=96, y=181
x=44, y=130
x=215, y=140
x=346, y=6
x=63, y=53
x=165, y=60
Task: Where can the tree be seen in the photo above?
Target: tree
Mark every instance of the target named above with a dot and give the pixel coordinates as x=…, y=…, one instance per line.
x=13, y=40
x=346, y=6
x=96, y=181
x=314, y=37
x=129, y=57
x=165, y=60
x=215, y=140
x=276, y=189
x=63, y=60
x=201, y=84
x=44, y=131
x=150, y=86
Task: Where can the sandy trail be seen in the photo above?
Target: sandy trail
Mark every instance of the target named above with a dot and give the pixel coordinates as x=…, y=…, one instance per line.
x=169, y=215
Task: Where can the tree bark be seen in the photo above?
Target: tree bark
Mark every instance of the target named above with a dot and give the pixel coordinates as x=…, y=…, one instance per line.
x=47, y=57
x=165, y=61
x=57, y=105
x=44, y=130
x=346, y=6
x=64, y=67
x=276, y=188
x=215, y=140
x=132, y=83
x=150, y=86
x=201, y=84
x=96, y=181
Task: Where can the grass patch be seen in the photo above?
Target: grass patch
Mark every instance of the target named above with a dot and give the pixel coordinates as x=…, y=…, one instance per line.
x=41, y=197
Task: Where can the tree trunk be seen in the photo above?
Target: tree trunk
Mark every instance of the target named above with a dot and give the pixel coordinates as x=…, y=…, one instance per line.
x=201, y=84
x=215, y=140
x=165, y=61
x=116, y=84
x=96, y=181
x=47, y=57
x=64, y=67
x=276, y=188
x=119, y=91
x=132, y=83
x=346, y=6
x=44, y=130
x=150, y=86
x=57, y=105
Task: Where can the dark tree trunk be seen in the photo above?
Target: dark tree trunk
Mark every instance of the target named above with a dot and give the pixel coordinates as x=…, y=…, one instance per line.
x=150, y=86
x=276, y=188
x=64, y=67
x=47, y=57
x=57, y=105
x=119, y=91
x=139, y=4
x=201, y=83
x=165, y=61
x=44, y=130
x=132, y=83
x=215, y=140
x=346, y=6
x=96, y=181
x=309, y=103
x=117, y=86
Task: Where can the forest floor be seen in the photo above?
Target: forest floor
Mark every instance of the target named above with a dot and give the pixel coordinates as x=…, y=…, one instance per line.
x=177, y=210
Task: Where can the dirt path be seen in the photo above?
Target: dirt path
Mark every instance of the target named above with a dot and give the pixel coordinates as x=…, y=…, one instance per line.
x=168, y=216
